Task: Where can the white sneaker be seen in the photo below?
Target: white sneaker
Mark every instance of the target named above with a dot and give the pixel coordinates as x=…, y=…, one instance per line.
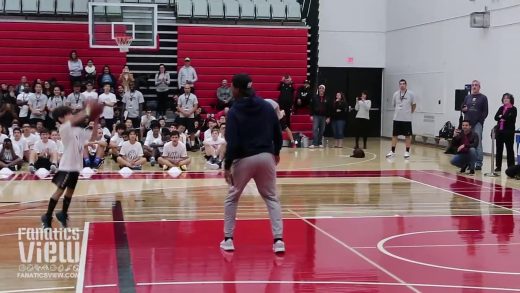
x=227, y=245
x=321, y=146
x=212, y=166
x=406, y=155
x=390, y=154
x=311, y=146
x=279, y=247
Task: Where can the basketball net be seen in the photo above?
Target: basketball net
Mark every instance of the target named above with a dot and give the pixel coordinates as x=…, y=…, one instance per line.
x=124, y=43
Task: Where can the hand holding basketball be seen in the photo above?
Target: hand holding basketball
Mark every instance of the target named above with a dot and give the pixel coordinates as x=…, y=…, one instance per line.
x=93, y=109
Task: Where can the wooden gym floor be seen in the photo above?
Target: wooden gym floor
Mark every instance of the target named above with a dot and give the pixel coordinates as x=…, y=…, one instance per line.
x=369, y=225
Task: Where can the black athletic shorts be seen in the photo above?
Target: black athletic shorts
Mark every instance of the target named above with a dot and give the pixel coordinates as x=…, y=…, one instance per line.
x=402, y=128
x=64, y=179
x=189, y=123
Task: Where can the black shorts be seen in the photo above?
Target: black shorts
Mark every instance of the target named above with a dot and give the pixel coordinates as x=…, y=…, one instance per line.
x=44, y=163
x=64, y=179
x=402, y=128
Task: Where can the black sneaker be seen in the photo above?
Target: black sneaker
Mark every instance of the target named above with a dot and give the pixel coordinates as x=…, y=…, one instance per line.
x=498, y=170
x=471, y=172
x=463, y=169
x=478, y=168
x=63, y=219
x=46, y=222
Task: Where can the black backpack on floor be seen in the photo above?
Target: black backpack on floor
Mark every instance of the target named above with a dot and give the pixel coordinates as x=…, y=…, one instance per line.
x=447, y=130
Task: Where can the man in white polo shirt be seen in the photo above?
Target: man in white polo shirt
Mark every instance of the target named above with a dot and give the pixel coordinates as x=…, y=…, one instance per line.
x=404, y=104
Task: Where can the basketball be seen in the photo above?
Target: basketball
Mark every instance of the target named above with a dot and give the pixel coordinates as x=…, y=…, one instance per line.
x=95, y=109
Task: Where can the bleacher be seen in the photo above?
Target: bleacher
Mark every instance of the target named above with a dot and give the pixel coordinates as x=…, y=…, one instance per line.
x=263, y=10
x=41, y=50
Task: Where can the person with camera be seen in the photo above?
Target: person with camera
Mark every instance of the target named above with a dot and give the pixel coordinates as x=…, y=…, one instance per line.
x=505, y=131
x=466, y=142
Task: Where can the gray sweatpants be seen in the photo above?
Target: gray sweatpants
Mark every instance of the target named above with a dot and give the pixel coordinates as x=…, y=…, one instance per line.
x=261, y=168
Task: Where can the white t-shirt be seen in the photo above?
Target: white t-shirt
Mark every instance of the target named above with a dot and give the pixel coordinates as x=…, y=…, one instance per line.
x=175, y=152
x=30, y=140
x=20, y=146
x=403, y=105
x=90, y=95
x=151, y=139
x=276, y=108
x=108, y=112
x=24, y=110
x=59, y=145
x=146, y=120
x=45, y=149
x=3, y=137
x=215, y=144
x=117, y=140
x=75, y=139
x=131, y=151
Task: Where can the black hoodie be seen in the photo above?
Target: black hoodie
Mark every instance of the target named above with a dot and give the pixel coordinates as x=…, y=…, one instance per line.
x=252, y=127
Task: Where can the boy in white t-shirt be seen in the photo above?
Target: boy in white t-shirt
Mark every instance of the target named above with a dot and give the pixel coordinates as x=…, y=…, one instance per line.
x=131, y=154
x=44, y=154
x=153, y=143
x=74, y=138
x=109, y=101
x=215, y=149
x=94, y=151
x=90, y=93
x=55, y=136
x=116, y=141
x=174, y=154
x=2, y=135
x=20, y=145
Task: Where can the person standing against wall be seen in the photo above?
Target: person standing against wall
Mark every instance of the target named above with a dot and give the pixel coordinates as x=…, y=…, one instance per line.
x=505, y=131
x=321, y=110
x=475, y=109
x=363, y=105
x=162, y=82
x=404, y=104
x=339, y=119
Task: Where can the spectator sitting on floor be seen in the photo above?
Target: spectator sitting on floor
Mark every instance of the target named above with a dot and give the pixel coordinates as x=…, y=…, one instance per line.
x=466, y=142
x=44, y=154
x=8, y=157
x=215, y=149
x=174, y=154
x=212, y=123
x=20, y=145
x=153, y=143
x=117, y=140
x=29, y=137
x=10, y=130
x=55, y=136
x=94, y=151
x=3, y=136
x=221, y=114
x=129, y=125
x=131, y=154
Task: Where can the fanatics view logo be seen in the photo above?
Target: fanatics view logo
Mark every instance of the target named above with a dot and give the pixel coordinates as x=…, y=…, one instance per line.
x=48, y=253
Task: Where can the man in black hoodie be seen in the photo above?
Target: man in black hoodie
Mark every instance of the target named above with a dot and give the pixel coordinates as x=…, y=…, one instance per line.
x=254, y=140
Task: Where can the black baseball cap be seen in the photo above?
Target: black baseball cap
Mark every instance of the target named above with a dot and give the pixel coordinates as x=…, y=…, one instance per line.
x=7, y=140
x=243, y=82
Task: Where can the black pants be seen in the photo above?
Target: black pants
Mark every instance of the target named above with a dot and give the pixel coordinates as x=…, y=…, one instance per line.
x=361, y=131
x=163, y=103
x=287, y=117
x=109, y=123
x=508, y=139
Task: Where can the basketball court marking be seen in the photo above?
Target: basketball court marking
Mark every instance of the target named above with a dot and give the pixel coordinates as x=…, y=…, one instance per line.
x=324, y=283
x=381, y=248
x=52, y=289
x=470, y=183
x=466, y=196
x=355, y=252
x=83, y=259
x=374, y=156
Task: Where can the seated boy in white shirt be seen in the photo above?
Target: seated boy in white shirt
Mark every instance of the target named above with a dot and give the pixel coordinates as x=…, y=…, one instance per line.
x=55, y=136
x=94, y=151
x=44, y=154
x=174, y=154
x=153, y=143
x=131, y=154
x=215, y=149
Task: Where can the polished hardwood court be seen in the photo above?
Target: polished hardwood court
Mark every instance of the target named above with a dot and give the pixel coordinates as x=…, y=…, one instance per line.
x=351, y=224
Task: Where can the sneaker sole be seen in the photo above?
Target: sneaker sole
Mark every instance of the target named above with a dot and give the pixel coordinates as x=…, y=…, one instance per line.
x=227, y=248
x=279, y=250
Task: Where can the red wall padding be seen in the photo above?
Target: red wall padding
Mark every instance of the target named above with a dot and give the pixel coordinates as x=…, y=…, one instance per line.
x=265, y=53
x=41, y=50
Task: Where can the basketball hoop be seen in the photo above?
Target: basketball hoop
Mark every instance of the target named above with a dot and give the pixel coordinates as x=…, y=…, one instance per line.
x=124, y=43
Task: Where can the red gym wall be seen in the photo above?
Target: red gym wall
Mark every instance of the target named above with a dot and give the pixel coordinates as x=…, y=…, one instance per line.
x=265, y=53
x=41, y=50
